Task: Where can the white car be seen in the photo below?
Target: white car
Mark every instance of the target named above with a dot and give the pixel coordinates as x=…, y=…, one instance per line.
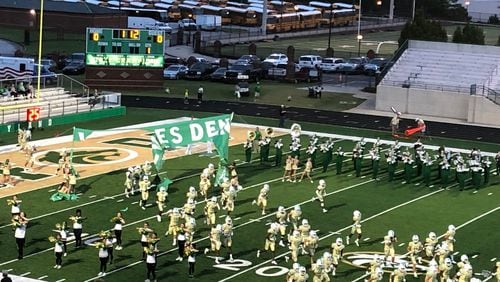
x=175, y=71
x=276, y=59
x=309, y=61
x=331, y=64
x=187, y=24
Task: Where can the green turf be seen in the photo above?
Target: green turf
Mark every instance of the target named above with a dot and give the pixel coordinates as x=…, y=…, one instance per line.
x=373, y=198
x=19, y=171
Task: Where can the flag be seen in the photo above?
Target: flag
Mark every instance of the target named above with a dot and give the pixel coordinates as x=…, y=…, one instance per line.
x=158, y=150
x=80, y=134
x=222, y=172
x=165, y=183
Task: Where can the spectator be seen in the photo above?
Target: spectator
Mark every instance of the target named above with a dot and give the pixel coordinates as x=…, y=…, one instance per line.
x=200, y=94
x=186, y=96
x=13, y=91
x=257, y=90
x=237, y=91
x=21, y=89
x=5, y=276
x=282, y=116
x=31, y=91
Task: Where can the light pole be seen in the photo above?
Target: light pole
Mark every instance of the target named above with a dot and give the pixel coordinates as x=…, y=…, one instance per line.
x=296, y=8
x=413, y=12
x=359, y=37
x=467, y=3
x=330, y=27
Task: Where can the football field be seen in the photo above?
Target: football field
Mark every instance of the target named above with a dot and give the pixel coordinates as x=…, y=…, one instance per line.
x=407, y=209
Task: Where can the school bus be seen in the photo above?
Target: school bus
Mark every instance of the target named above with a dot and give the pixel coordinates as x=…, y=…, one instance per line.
x=242, y=16
x=216, y=11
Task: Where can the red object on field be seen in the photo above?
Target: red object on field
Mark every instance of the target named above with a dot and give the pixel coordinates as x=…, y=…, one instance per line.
x=33, y=114
x=413, y=130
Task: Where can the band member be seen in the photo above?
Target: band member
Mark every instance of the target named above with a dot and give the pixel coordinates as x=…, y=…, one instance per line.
x=408, y=169
x=311, y=153
x=15, y=205
x=462, y=172
x=327, y=150
x=262, y=198
x=278, y=145
x=339, y=160
x=486, y=164
x=357, y=158
x=395, y=124
x=477, y=172
x=445, y=173
x=265, y=147
x=248, y=150
x=144, y=188
x=427, y=170
x=58, y=250
x=421, y=124
x=375, y=156
x=497, y=160
x=262, y=150
x=307, y=170
x=19, y=224
x=288, y=169
x=295, y=147
x=77, y=220
x=392, y=164
x=119, y=222
x=258, y=136
x=321, y=193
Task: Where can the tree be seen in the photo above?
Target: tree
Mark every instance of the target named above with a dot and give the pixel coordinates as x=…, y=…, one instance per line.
x=470, y=34
x=423, y=29
x=458, y=37
x=498, y=42
x=494, y=20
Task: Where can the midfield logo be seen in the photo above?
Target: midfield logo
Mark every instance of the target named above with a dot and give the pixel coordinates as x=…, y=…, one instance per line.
x=85, y=156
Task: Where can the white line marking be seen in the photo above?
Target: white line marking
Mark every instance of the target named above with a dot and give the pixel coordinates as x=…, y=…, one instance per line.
x=25, y=274
x=93, y=196
x=135, y=203
x=456, y=253
x=61, y=280
x=475, y=256
x=42, y=277
x=121, y=200
x=51, y=190
x=489, y=194
x=402, y=244
x=238, y=218
x=366, y=239
x=340, y=230
x=493, y=259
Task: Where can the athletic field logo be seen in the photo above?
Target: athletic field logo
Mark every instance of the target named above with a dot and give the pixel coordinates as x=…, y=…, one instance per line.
x=363, y=260
x=87, y=156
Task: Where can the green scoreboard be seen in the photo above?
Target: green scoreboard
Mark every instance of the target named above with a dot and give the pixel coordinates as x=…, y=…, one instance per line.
x=109, y=47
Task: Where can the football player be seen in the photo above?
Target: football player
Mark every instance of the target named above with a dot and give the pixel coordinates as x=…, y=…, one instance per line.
x=464, y=274
x=189, y=207
x=144, y=188
x=192, y=194
x=294, y=217
x=270, y=244
x=356, y=228
x=231, y=196
x=210, y=211
x=449, y=237
x=414, y=249
x=497, y=272
x=328, y=262
x=337, y=253
x=224, y=186
x=302, y=276
x=215, y=241
x=321, y=193
x=442, y=252
x=173, y=226
x=128, y=181
x=281, y=219
x=464, y=259
x=304, y=229
x=399, y=274
x=432, y=272
x=204, y=185
x=161, y=198
x=445, y=270
x=227, y=233
x=389, y=241
x=375, y=272
x=310, y=244
x=430, y=244
x=319, y=272
x=293, y=273
x=295, y=240
x=262, y=198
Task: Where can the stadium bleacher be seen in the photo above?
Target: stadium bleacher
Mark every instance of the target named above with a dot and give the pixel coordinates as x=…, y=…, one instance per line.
x=434, y=68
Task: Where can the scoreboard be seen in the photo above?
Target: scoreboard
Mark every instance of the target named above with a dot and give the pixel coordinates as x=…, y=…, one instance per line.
x=125, y=47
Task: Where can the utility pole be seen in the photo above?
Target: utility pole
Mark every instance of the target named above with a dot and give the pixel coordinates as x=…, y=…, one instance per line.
x=264, y=17
x=391, y=10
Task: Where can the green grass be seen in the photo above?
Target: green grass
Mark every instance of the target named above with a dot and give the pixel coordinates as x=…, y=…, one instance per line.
x=384, y=205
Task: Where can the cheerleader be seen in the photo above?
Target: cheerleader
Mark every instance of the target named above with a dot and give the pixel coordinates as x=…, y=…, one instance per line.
x=78, y=227
x=15, y=205
x=151, y=263
x=103, y=257
x=307, y=170
x=63, y=235
x=144, y=231
x=128, y=182
x=288, y=169
x=191, y=252
x=6, y=172
x=30, y=159
x=58, y=250
x=119, y=222
x=108, y=240
x=19, y=224
x=295, y=167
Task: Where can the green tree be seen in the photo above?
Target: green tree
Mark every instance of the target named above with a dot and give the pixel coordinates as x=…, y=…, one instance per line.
x=423, y=29
x=458, y=37
x=494, y=20
x=473, y=35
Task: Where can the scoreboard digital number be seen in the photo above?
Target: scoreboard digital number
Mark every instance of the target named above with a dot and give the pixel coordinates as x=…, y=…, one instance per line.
x=32, y=114
x=125, y=47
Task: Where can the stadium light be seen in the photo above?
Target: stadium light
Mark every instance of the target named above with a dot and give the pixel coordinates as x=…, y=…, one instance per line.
x=33, y=12
x=379, y=3
x=359, y=37
x=39, y=67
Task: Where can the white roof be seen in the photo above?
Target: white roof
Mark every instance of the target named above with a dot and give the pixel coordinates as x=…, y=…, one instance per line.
x=192, y=3
x=168, y=1
x=114, y=3
x=187, y=6
x=339, y=11
x=163, y=5
x=212, y=8
x=309, y=13
x=255, y=1
x=259, y=10
x=320, y=4
x=139, y=4
x=344, y=5
x=236, y=4
x=305, y=8
x=235, y=9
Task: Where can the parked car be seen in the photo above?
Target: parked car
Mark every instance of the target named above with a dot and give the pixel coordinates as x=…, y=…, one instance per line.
x=279, y=72
x=331, y=64
x=374, y=65
x=309, y=61
x=50, y=64
x=46, y=76
x=218, y=74
x=353, y=65
x=276, y=59
x=187, y=24
x=307, y=74
x=75, y=67
x=75, y=57
x=251, y=59
x=168, y=61
x=237, y=70
x=199, y=70
x=175, y=71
